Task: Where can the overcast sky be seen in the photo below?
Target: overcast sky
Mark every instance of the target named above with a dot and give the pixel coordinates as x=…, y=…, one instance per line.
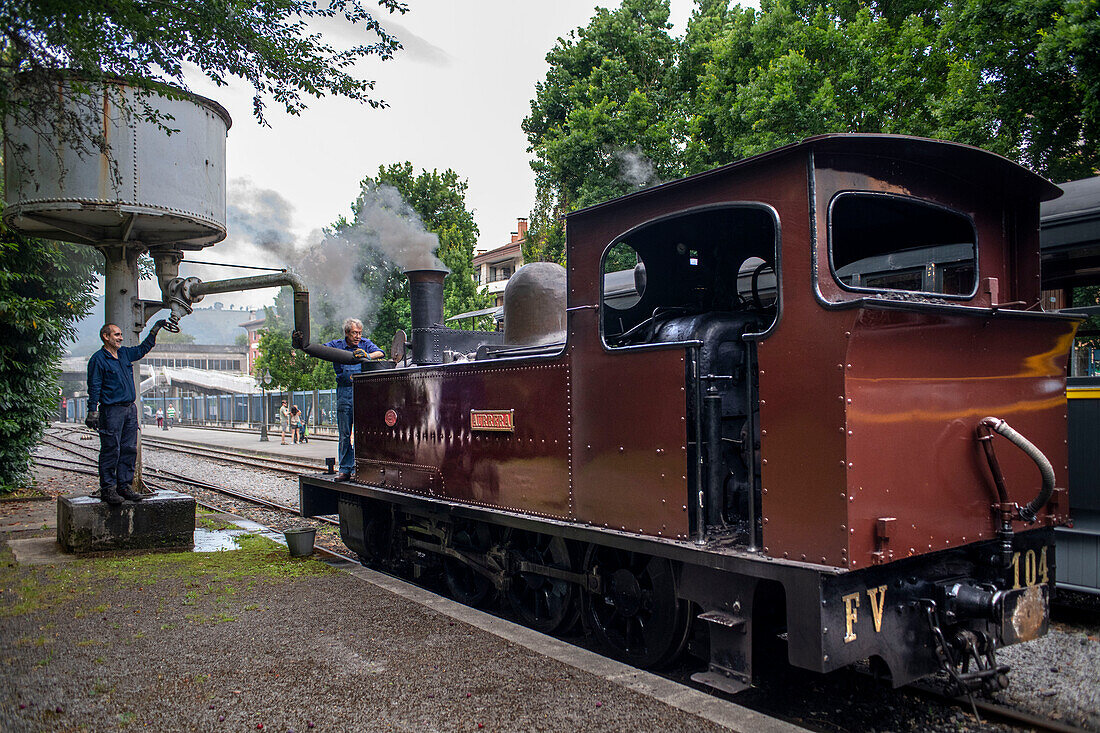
x=457, y=94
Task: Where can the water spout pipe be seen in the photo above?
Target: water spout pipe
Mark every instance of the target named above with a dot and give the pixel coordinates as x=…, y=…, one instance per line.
x=192, y=290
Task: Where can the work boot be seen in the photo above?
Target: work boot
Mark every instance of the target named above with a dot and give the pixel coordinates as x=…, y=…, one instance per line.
x=110, y=495
x=129, y=494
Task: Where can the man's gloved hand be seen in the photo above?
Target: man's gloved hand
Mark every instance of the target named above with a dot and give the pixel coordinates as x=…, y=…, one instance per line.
x=158, y=325
x=296, y=339
x=92, y=420
x=360, y=354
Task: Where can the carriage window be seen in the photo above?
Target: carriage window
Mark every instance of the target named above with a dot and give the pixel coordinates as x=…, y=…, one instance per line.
x=881, y=242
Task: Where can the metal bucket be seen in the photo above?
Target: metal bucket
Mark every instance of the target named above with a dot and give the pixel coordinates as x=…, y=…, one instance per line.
x=300, y=541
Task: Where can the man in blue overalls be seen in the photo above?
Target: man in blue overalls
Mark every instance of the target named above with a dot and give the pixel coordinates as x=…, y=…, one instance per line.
x=362, y=348
x=112, y=412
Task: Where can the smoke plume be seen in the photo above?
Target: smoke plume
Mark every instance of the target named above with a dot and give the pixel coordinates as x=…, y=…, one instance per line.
x=344, y=268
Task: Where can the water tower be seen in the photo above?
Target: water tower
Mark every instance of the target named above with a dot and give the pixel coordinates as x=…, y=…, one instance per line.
x=154, y=190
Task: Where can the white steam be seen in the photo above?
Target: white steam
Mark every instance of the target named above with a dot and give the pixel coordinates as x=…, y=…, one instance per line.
x=635, y=169
x=344, y=270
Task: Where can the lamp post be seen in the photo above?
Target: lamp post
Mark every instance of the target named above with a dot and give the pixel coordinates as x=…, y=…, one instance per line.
x=265, y=380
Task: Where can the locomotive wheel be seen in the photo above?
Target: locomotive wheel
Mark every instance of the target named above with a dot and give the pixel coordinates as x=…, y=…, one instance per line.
x=377, y=539
x=542, y=603
x=465, y=584
x=637, y=615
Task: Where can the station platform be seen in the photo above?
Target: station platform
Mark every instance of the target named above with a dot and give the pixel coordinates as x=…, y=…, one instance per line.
x=300, y=645
x=315, y=450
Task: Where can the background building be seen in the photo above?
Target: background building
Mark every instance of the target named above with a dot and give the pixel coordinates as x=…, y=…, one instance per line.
x=493, y=268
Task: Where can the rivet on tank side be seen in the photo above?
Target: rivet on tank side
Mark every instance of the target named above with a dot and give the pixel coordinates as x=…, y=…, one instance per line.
x=763, y=461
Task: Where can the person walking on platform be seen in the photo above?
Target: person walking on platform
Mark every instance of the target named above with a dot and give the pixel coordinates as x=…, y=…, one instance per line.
x=111, y=410
x=362, y=348
x=160, y=419
x=284, y=421
x=170, y=418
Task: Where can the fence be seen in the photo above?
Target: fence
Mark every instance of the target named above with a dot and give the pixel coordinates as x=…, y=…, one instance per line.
x=227, y=410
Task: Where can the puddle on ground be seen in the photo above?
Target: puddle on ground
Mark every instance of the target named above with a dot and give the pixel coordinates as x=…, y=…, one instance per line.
x=207, y=540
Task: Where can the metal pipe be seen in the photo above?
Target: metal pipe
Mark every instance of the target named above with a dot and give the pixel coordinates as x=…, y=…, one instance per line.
x=712, y=416
x=1028, y=512
x=700, y=508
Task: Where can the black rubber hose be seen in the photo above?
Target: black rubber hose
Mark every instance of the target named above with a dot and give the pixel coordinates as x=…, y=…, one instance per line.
x=1029, y=512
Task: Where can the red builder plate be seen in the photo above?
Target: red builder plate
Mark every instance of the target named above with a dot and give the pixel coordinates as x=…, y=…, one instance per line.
x=391, y=418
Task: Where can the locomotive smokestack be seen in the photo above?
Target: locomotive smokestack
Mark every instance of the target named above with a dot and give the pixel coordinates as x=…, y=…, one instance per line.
x=426, y=301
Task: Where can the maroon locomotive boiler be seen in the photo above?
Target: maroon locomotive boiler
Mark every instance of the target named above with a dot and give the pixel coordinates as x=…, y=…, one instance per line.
x=768, y=403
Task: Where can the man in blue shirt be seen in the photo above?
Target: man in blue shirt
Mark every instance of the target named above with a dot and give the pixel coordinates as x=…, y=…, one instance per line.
x=112, y=412
x=354, y=342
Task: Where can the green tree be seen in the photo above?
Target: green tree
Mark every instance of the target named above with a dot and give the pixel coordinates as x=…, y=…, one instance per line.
x=600, y=123
x=45, y=289
x=148, y=44
x=438, y=200
x=176, y=338
x=1017, y=77
x=291, y=370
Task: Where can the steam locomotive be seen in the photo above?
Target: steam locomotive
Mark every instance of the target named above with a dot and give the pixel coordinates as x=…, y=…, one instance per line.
x=805, y=400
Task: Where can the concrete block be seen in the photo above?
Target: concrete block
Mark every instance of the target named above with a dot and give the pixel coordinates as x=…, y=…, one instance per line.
x=163, y=521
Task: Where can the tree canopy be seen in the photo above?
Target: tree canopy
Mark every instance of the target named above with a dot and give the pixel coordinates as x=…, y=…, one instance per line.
x=624, y=104
x=274, y=45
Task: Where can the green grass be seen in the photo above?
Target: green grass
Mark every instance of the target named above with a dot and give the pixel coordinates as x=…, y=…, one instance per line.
x=257, y=561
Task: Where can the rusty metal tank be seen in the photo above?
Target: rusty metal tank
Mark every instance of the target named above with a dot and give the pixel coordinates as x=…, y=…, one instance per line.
x=534, y=305
x=160, y=189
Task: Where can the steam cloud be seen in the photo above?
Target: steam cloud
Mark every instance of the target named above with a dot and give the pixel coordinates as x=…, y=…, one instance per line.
x=343, y=269
x=635, y=169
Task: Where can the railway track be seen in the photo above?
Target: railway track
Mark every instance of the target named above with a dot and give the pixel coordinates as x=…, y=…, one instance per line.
x=986, y=710
x=252, y=460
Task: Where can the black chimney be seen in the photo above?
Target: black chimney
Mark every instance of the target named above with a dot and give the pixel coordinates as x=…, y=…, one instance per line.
x=426, y=301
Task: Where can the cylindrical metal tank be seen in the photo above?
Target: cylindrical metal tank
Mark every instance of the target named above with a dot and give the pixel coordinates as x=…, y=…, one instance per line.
x=534, y=305
x=161, y=188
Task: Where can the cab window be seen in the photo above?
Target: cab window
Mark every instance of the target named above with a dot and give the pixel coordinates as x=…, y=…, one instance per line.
x=883, y=242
